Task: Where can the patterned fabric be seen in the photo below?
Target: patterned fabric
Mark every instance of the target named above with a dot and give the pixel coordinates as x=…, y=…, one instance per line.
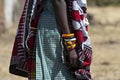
x=18, y=65
x=23, y=54
x=77, y=18
x=85, y=58
x=49, y=65
x=31, y=39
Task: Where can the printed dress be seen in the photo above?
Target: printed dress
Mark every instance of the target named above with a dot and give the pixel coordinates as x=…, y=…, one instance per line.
x=49, y=64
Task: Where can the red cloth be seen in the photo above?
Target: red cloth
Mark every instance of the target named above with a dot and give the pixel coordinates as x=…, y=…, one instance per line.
x=85, y=56
x=79, y=36
x=18, y=59
x=23, y=55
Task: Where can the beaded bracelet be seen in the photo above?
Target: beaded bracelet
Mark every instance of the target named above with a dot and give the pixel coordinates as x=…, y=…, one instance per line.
x=69, y=41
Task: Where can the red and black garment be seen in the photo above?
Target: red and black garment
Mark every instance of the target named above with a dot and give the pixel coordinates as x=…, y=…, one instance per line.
x=23, y=62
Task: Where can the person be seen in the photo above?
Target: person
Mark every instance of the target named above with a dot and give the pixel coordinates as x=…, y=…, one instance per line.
x=59, y=48
x=48, y=42
x=48, y=53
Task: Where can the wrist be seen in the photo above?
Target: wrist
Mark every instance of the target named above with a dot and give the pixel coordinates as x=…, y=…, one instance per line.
x=69, y=41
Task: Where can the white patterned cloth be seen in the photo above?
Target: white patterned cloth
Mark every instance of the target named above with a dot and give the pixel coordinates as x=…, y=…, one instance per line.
x=49, y=65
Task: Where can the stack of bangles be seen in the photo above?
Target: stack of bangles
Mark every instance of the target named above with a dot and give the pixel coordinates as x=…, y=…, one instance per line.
x=69, y=41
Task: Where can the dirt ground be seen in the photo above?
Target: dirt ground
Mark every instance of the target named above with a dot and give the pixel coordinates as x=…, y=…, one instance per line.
x=105, y=41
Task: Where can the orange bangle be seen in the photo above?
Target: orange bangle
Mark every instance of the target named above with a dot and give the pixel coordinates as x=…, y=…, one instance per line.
x=68, y=35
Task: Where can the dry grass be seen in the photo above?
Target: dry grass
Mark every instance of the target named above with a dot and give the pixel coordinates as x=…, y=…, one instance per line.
x=105, y=42
x=106, y=57
x=106, y=15
x=6, y=44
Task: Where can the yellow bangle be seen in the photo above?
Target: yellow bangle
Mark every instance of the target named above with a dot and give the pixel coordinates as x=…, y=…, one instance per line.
x=70, y=45
x=68, y=35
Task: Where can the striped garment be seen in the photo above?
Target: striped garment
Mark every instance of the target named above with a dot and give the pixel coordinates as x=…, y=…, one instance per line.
x=18, y=64
x=23, y=54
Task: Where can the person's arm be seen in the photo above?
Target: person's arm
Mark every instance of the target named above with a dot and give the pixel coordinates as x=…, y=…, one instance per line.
x=61, y=16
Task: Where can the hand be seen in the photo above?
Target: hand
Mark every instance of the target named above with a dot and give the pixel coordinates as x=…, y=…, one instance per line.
x=73, y=57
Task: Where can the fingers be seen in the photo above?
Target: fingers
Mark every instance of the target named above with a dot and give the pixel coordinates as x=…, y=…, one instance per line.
x=73, y=58
x=73, y=62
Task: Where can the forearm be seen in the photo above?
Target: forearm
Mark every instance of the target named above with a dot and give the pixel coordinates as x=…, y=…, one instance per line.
x=61, y=15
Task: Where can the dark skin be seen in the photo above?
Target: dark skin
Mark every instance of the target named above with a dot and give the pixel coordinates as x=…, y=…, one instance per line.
x=61, y=17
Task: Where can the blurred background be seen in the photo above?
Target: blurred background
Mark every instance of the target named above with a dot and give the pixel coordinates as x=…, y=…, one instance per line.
x=104, y=18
